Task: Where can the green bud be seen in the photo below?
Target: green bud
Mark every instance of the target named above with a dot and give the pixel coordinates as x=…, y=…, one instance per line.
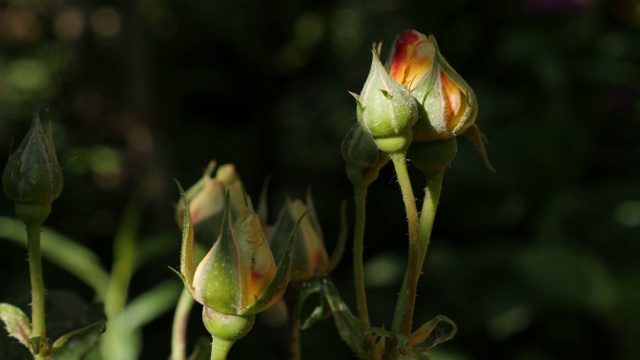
x=386, y=110
x=33, y=178
x=447, y=104
x=238, y=268
x=364, y=159
x=433, y=157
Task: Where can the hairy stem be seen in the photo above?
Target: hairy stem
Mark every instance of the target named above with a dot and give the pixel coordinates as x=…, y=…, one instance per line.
x=403, y=315
x=179, y=330
x=38, y=328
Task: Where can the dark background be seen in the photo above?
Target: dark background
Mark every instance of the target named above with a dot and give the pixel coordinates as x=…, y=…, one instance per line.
x=537, y=261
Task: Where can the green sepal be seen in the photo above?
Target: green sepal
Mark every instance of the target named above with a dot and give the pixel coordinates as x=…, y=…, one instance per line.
x=16, y=323
x=187, y=262
x=478, y=139
x=338, y=251
x=76, y=344
x=318, y=297
x=426, y=336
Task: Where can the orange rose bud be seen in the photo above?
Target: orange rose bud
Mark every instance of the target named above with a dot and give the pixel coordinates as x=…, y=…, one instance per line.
x=447, y=105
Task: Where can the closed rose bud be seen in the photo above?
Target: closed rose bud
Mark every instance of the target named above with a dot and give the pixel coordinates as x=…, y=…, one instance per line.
x=433, y=157
x=32, y=178
x=309, y=254
x=447, y=105
x=364, y=159
x=385, y=109
x=238, y=277
x=206, y=199
x=237, y=269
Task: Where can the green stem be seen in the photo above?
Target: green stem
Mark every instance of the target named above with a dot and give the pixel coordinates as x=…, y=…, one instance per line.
x=403, y=315
x=294, y=335
x=220, y=348
x=358, y=249
x=293, y=330
x=427, y=217
x=179, y=330
x=38, y=328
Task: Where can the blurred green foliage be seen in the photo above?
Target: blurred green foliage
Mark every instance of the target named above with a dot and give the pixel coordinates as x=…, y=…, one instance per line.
x=538, y=261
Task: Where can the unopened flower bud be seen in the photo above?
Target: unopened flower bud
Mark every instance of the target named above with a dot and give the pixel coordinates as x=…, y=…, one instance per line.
x=433, y=157
x=237, y=269
x=206, y=199
x=364, y=159
x=32, y=178
x=447, y=104
x=309, y=254
x=386, y=110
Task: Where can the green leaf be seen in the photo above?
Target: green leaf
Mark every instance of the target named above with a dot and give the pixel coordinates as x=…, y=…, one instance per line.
x=16, y=323
x=202, y=350
x=64, y=252
x=76, y=344
x=316, y=294
x=478, y=139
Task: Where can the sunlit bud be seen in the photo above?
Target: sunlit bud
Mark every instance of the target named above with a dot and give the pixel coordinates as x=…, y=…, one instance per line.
x=447, y=104
x=385, y=109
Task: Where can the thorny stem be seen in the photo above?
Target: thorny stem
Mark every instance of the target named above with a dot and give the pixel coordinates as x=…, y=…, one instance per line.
x=403, y=315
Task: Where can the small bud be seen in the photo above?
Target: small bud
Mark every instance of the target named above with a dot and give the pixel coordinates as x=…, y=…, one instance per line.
x=206, y=199
x=33, y=178
x=386, y=110
x=309, y=255
x=364, y=159
x=433, y=157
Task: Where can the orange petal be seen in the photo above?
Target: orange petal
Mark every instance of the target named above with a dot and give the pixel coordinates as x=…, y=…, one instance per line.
x=412, y=58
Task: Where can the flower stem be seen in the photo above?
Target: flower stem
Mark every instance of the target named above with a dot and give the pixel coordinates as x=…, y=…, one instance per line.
x=38, y=328
x=220, y=348
x=179, y=330
x=293, y=336
x=358, y=249
x=403, y=315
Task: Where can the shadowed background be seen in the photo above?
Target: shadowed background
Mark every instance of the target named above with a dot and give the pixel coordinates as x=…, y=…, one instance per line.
x=538, y=261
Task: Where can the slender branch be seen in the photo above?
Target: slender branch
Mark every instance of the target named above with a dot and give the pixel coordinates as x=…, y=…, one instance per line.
x=358, y=249
x=38, y=328
x=293, y=335
x=403, y=315
x=180, y=322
